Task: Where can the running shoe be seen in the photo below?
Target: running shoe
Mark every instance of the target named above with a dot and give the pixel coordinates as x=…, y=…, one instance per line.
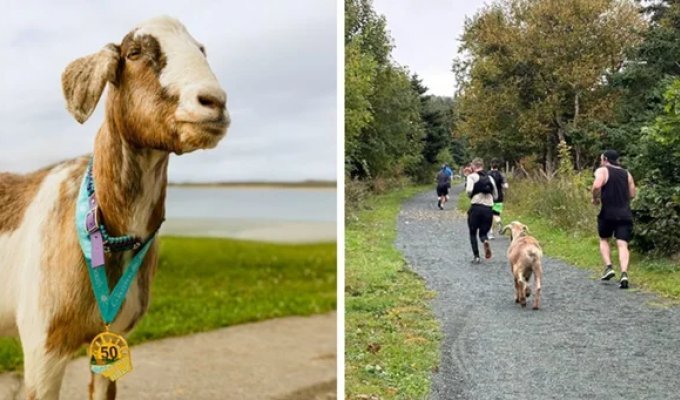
x=623, y=283
x=476, y=260
x=487, y=250
x=608, y=273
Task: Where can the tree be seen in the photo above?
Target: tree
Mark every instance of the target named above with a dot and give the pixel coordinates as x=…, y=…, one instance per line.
x=535, y=72
x=657, y=207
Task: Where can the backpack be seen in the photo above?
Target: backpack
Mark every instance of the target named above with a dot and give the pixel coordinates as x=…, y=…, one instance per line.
x=483, y=185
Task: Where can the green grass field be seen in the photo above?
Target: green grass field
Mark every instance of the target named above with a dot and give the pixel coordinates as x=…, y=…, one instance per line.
x=391, y=336
x=203, y=284
x=658, y=275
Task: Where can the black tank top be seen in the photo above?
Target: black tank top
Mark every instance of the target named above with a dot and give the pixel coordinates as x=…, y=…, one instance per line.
x=615, y=196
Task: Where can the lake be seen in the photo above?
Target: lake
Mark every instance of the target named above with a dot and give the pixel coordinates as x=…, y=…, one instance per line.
x=266, y=214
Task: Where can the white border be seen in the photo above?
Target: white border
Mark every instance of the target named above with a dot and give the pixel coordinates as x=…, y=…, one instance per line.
x=340, y=117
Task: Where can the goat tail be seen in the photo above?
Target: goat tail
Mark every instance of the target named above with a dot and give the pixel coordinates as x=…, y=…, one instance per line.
x=535, y=254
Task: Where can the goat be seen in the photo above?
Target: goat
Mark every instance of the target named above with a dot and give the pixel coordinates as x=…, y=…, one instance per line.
x=524, y=255
x=162, y=98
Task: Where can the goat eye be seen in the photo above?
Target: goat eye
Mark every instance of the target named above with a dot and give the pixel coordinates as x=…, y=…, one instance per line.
x=133, y=54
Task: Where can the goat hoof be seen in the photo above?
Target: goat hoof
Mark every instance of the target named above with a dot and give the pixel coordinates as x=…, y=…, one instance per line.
x=535, y=307
x=524, y=305
x=516, y=300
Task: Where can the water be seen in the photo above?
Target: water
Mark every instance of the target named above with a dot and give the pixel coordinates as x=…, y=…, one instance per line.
x=304, y=205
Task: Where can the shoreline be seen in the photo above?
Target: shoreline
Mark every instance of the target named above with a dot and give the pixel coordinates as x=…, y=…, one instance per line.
x=273, y=231
x=258, y=185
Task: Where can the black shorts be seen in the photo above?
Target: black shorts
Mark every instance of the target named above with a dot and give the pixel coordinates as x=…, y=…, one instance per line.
x=621, y=229
x=442, y=191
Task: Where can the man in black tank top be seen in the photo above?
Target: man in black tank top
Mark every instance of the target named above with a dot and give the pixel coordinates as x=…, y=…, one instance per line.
x=614, y=188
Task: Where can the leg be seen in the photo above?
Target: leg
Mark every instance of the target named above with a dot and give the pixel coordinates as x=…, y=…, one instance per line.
x=538, y=274
x=521, y=293
x=485, y=221
x=473, y=226
x=43, y=372
x=622, y=245
x=605, y=252
x=101, y=388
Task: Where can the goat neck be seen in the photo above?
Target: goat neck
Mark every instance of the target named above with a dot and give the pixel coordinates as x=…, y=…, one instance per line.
x=130, y=183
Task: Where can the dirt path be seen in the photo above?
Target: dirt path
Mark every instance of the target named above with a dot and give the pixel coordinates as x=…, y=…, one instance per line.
x=281, y=359
x=590, y=340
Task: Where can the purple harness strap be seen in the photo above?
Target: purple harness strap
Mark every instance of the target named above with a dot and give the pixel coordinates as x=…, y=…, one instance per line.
x=96, y=237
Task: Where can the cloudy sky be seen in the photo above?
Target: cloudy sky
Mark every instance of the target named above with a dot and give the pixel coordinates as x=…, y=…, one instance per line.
x=426, y=36
x=276, y=60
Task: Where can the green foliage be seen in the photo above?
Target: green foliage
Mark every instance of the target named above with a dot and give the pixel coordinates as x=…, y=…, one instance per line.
x=533, y=72
x=563, y=200
x=360, y=74
x=204, y=284
x=391, y=335
x=657, y=207
x=392, y=129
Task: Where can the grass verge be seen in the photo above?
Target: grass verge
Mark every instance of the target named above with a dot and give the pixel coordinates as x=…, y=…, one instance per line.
x=204, y=284
x=658, y=275
x=391, y=336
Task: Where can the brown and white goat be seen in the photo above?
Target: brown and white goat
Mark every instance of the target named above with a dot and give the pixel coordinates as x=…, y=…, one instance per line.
x=524, y=255
x=163, y=98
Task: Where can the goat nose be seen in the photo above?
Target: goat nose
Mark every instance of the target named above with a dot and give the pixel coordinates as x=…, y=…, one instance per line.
x=214, y=101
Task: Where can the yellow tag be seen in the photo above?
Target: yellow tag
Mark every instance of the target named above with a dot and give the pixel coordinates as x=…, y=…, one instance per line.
x=110, y=355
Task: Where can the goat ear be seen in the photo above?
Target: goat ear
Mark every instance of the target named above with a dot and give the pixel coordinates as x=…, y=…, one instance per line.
x=525, y=228
x=84, y=79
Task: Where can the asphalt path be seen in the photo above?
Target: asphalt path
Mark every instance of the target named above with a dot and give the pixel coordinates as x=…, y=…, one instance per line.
x=589, y=340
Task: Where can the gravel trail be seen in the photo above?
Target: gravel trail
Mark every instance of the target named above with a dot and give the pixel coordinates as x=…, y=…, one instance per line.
x=590, y=340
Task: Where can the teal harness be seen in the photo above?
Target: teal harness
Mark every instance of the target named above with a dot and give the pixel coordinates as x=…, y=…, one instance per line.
x=95, y=241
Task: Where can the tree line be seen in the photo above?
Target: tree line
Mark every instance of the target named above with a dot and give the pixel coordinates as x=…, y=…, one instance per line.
x=393, y=129
x=594, y=74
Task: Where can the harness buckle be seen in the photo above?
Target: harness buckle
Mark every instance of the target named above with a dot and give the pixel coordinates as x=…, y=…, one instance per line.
x=92, y=220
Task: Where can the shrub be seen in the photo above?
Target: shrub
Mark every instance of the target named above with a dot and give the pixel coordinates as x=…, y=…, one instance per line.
x=563, y=199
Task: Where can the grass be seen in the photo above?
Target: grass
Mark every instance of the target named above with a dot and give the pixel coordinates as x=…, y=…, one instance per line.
x=391, y=336
x=658, y=275
x=204, y=284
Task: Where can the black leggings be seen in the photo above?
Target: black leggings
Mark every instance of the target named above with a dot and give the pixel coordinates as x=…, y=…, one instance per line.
x=480, y=218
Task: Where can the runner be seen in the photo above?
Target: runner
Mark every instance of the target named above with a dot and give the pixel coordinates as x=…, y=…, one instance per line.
x=614, y=188
x=443, y=186
x=482, y=191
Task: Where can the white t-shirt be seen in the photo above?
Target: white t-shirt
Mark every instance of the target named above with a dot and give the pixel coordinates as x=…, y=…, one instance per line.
x=480, y=198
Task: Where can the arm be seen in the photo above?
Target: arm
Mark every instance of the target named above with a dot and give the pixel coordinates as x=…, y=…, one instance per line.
x=631, y=186
x=469, y=185
x=600, y=180
x=495, y=189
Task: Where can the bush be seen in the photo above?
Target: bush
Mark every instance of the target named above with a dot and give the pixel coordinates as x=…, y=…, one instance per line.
x=564, y=198
x=359, y=191
x=657, y=169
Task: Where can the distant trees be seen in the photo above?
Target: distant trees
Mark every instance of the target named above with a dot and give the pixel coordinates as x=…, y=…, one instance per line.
x=534, y=72
x=392, y=129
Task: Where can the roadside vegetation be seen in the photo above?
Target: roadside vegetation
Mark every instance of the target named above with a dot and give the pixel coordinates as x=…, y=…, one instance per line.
x=392, y=338
x=204, y=284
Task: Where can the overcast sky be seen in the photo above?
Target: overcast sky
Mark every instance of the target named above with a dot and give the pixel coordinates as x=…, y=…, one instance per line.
x=275, y=59
x=426, y=36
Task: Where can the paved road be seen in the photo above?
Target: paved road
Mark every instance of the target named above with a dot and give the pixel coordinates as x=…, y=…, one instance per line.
x=590, y=340
x=283, y=359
